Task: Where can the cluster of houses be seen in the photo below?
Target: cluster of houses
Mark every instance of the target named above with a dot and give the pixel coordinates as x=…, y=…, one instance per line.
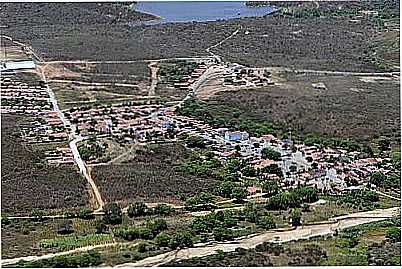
x=23, y=97
x=327, y=169
x=30, y=97
x=61, y=155
x=125, y=123
x=238, y=75
x=188, y=80
x=45, y=127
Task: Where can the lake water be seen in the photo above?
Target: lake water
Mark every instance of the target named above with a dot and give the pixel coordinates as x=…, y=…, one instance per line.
x=200, y=11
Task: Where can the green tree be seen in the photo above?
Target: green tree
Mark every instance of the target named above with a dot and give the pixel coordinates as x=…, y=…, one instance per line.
x=266, y=222
x=225, y=188
x=137, y=209
x=181, y=239
x=273, y=169
x=163, y=239
x=271, y=154
x=378, y=179
x=113, y=214
x=239, y=194
x=157, y=226
x=270, y=187
x=384, y=144
x=296, y=217
x=393, y=234
x=222, y=234
x=195, y=142
x=163, y=209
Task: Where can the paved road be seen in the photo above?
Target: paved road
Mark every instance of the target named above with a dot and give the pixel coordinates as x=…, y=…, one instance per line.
x=303, y=232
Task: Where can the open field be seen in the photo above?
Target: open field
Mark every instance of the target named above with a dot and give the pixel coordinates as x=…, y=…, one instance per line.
x=71, y=94
x=354, y=107
x=21, y=237
x=128, y=73
x=29, y=183
x=149, y=176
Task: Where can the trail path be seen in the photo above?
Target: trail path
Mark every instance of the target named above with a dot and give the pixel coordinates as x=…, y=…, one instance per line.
x=387, y=195
x=29, y=48
x=216, y=56
x=302, y=232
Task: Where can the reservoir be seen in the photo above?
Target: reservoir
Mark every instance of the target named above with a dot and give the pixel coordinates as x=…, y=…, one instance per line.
x=186, y=11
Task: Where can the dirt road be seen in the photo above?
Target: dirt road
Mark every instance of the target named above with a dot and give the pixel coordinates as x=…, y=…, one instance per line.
x=69, y=252
x=153, y=66
x=303, y=232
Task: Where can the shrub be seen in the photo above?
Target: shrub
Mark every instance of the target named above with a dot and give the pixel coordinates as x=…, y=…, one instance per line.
x=163, y=209
x=163, y=240
x=266, y=222
x=157, y=226
x=137, y=209
x=86, y=213
x=181, y=240
x=65, y=227
x=393, y=234
x=271, y=154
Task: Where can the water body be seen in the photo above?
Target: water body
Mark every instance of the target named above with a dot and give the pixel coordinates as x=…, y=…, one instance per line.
x=200, y=11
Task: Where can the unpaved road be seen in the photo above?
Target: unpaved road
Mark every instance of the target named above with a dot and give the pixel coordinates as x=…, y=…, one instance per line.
x=153, y=66
x=69, y=252
x=216, y=56
x=303, y=232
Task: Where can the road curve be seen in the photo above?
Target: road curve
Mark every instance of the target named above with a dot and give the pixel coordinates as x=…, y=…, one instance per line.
x=303, y=232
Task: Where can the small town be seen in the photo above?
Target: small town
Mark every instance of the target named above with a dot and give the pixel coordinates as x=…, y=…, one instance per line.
x=200, y=134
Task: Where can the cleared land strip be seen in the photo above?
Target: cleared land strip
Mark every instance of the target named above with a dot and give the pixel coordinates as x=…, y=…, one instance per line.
x=325, y=72
x=69, y=252
x=303, y=232
x=126, y=61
